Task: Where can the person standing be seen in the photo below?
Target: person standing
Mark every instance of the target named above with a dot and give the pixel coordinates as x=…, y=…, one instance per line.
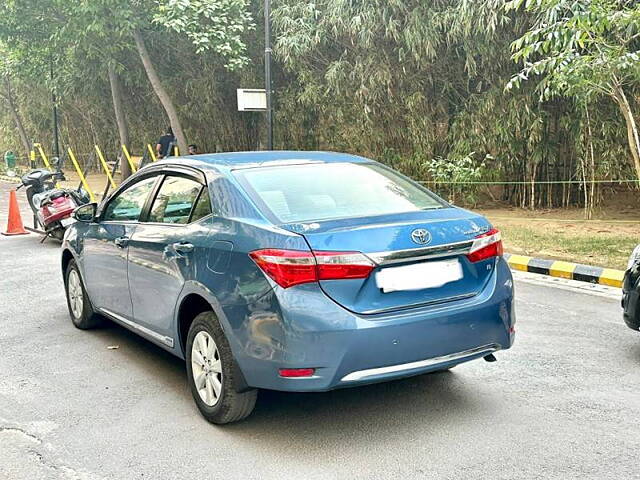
x=165, y=144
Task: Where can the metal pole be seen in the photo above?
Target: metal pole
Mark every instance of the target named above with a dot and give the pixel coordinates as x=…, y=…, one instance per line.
x=56, y=144
x=267, y=71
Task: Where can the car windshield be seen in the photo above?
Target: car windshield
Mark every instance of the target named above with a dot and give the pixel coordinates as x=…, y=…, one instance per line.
x=312, y=192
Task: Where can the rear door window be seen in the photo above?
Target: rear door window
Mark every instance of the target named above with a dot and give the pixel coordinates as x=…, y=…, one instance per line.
x=175, y=200
x=202, y=207
x=127, y=205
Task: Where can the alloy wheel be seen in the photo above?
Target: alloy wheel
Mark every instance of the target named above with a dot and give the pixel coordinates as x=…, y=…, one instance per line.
x=206, y=368
x=74, y=291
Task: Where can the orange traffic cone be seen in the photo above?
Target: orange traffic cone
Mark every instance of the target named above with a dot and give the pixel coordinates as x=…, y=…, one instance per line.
x=14, y=223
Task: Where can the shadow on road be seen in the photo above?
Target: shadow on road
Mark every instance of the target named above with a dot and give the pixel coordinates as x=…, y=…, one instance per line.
x=369, y=413
x=633, y=352
x=364, y=414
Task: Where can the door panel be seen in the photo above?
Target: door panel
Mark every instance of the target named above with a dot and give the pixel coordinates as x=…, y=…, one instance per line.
x=105, y=267
x=163, y=253
x=161, y=259
x=106, y=248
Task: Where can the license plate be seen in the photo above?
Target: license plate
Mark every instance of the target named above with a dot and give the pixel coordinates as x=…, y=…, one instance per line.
x=419, y=276
x=65, y=222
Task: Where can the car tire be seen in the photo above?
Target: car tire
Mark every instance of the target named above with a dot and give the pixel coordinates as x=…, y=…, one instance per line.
x=80, y=309
x=212, y=378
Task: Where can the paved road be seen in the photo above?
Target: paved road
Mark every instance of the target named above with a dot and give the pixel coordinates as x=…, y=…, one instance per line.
x=563, y=403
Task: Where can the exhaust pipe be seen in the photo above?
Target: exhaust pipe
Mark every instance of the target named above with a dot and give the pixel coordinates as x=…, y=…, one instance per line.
x=490, y=358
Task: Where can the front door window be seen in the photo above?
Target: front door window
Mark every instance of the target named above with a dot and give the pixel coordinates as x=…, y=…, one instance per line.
x=128, y=204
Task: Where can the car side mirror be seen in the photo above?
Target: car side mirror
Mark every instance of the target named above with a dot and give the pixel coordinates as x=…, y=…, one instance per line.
x=85, y=213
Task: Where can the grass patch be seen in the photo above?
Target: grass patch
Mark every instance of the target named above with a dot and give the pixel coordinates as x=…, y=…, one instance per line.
x=605, y=248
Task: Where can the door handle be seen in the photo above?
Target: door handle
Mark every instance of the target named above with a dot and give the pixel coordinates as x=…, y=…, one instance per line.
x=121, y=242
x=182, y=247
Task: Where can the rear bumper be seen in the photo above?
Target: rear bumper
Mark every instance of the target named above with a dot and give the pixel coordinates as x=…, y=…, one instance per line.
x=380, y=373
x=301, y=327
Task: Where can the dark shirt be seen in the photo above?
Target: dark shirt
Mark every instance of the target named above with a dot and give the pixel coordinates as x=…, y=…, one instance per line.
x=165, y=142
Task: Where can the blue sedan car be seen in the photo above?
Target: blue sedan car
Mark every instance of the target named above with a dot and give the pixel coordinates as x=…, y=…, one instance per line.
x=294, y=271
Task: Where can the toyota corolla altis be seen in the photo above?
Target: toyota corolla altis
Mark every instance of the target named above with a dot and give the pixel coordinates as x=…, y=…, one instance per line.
x=294, y=271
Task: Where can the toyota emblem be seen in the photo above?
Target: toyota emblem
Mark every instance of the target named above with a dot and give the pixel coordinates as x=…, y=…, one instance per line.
x=421, y=236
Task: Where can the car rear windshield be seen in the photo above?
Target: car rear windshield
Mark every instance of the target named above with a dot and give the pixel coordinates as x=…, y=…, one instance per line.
x=313, y=192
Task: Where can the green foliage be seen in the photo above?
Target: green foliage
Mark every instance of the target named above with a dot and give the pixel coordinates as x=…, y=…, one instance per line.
x=583, y=49
x=459, y=176
x=402, y=81
x=579, y=47
x=217, y=25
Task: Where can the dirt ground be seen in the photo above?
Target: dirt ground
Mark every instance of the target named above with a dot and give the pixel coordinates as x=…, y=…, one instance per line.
x=564, y=234
x=570, y=221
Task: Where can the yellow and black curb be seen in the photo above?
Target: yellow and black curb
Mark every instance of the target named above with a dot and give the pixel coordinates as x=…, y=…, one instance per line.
x=7, y=178
x=572, y=271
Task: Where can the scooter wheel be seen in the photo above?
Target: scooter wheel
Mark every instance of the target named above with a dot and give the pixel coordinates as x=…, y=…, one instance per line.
x=57, y=234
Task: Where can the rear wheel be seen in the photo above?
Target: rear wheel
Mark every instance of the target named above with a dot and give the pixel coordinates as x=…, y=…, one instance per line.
x=57, y=233
x=80, y=309
x=211, y=374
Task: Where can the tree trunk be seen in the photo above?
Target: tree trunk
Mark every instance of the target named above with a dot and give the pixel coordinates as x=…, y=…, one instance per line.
x=161, y=93
x=593, y=168
x=121, y=120
x=632, y=127
x=16, y=116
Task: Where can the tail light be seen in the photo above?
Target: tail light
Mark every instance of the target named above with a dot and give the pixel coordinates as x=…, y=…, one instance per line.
x=293, y=267
x=486, y=246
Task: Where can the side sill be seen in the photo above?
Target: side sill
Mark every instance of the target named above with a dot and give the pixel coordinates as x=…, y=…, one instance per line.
x=168, y=341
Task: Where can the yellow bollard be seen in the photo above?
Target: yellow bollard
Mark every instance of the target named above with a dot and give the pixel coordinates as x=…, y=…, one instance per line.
x=126, y=154
x=81, y=175
x=152, y=153
x=43, y=155
x=176, y=151
x=44, y=158
x=105, y=166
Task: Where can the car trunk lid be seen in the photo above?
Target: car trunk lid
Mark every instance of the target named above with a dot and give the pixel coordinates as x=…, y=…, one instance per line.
x=420, y=257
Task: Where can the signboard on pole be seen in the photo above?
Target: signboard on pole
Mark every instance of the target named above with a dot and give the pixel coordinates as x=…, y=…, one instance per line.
x=252, y=100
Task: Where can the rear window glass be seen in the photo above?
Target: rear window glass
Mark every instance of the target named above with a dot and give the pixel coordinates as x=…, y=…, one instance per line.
x=302, y=193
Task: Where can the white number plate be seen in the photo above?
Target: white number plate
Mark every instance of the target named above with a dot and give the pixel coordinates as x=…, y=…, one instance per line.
x=419, y=276
x=67, y=221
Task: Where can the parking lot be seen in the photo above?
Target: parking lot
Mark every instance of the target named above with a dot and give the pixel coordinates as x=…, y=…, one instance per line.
x=564, y=402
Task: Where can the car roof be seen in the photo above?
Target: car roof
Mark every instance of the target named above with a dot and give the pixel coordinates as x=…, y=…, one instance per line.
x=237, y=160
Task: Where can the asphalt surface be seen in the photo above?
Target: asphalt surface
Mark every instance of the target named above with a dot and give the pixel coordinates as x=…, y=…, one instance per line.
x=564, y=402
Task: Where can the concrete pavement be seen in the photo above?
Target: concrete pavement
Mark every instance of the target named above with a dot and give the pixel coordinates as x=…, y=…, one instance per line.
x=564, y=402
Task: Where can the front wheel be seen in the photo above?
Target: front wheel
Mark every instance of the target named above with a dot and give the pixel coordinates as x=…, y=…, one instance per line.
x=211, y=374
x=80, y=309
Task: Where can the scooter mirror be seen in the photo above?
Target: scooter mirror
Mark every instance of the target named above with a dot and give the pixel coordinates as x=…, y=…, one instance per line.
x=85, y=213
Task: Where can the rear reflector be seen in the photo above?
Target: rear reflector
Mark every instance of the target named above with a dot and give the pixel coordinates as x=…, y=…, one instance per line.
x=486, y=246
x=297, y=372
x=293, y=267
